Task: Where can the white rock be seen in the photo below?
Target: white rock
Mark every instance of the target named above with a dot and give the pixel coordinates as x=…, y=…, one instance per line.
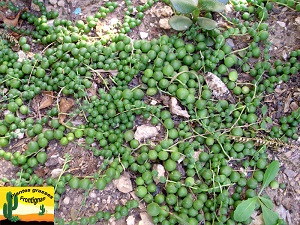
x=130, y=220
x=160, y=170
x=143, y=35
x=165, y=11
x=164, y=23
x=146, y=219
x=176, y=109
x=123, y=184
x=92, y=194
x=22, y=56
x=53, y=2
x=50, y=23
x=18, y=132
x=114, y=21
x=112, y=221
x=153, y=102
x=282, y=24
x=61, y=3
x=67, y=200
x=55, y=173
x=145, y=132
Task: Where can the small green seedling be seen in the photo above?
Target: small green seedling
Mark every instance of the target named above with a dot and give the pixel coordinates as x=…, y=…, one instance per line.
x=194, y=7
x=245, y=209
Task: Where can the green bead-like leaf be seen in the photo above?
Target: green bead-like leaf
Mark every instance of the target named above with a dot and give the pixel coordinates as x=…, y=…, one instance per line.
x=245, y=209
x=180, y=23
x=212, y=5
x=270, y=174
x=264, y=110
x=269, y=120
x=263, y=125
x=184, y=6
x=267, y=202
x=269, y=216
x=207, y=23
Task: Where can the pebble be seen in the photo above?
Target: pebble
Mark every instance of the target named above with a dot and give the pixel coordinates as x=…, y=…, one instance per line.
x=130, y=220
x=290, y=173
x=61, y=3
x=56, y=172
x=229, y=41
x=164, y=23
x=66, y=200
x=35, y=7
x=282, y=24
x=53, y=2
x=92, y=194
x=108, y=199
x=144, y=35
x=18, y=132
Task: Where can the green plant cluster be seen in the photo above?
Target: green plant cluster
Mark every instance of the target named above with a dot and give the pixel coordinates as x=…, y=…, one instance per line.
x=193, y=9
x=211, y=188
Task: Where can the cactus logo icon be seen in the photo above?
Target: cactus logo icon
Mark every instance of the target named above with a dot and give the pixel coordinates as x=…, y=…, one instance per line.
x=22, y=205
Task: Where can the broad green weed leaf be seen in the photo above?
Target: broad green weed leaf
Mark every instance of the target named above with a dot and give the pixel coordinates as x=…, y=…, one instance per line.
x=207, y=23
x=267, y=202
x=270, y=174
x=270, y=217
x=184, y=6
x=212, y=5
x=264, y=110
x=245, y=209
x=180, y=23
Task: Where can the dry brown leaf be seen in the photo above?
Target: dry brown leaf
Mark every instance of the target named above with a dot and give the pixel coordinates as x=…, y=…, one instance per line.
x=294, y=106
x=64, y=106
x=11, y=22
x=47, y=99
x=160, y=172
x=287, y=103
x=112, y=72
x=218, y=88
x=176, y=109
x=165, y=99
x=93, y=89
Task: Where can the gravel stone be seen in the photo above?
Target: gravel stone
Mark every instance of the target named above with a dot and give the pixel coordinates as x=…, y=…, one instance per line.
x=67, y=200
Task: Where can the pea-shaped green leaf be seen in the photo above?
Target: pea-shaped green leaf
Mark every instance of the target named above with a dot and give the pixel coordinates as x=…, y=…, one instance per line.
x=184, y=6
x=245, y=209
x=269, y=216
x=180, y=23
x=207, y=23
x=270, y=174
x=264, y=110
x=212, y=5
